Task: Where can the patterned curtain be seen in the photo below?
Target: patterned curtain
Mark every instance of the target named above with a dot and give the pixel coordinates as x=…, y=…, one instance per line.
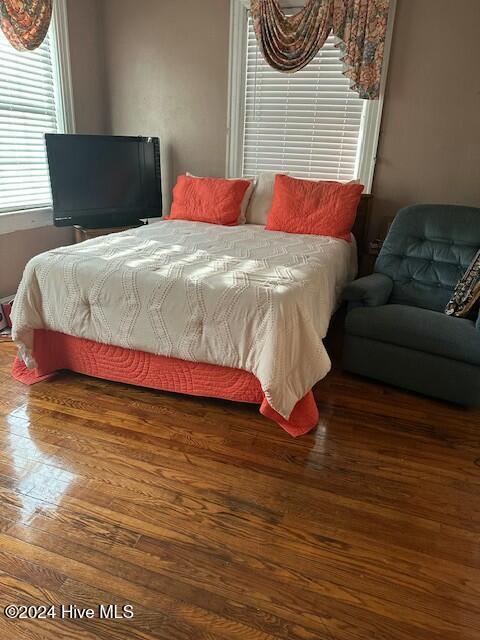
x=25, y=22
x=289, y=43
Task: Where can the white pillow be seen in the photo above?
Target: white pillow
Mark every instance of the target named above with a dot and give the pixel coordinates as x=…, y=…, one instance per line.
x=246, y=197
x=261, y=201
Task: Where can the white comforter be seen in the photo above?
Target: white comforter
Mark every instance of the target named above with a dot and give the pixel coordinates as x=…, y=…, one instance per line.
x=240, y=297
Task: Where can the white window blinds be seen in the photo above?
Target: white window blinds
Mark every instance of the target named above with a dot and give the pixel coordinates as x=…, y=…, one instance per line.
x=307, y=124
x=27, y=112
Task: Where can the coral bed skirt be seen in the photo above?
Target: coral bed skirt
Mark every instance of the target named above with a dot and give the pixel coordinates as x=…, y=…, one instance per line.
x=56, y=351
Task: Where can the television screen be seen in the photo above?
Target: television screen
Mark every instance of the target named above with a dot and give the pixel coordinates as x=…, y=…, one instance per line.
x=103, y=181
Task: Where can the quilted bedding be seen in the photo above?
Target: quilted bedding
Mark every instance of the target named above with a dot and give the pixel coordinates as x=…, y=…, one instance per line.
x=239, y=297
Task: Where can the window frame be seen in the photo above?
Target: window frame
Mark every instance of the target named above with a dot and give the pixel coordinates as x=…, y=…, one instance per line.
x=20, y=220
x=372, y=113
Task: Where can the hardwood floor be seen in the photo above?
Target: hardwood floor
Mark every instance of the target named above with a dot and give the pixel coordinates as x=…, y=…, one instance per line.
x=214, y=524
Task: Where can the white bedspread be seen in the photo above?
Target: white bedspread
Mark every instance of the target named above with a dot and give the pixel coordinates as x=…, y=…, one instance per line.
x=240, y=297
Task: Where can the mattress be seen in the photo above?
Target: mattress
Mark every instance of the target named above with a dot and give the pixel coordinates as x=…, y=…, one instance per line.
x=239, y=297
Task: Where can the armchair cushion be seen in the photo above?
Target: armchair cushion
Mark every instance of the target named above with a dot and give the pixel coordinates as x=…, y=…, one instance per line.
x=427, y=250
x=419, y=329
x=370, y=291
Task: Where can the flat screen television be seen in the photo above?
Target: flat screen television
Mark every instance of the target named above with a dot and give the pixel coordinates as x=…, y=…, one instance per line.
x=103, y=181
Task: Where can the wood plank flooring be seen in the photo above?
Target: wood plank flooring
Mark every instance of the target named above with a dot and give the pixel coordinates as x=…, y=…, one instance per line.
x=214, y=524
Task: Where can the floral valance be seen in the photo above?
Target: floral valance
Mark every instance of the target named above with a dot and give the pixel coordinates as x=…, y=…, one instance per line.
x=289, y=43
x=25, y=22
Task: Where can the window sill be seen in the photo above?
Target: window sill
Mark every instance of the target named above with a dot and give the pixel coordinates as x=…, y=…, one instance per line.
x=12, y=221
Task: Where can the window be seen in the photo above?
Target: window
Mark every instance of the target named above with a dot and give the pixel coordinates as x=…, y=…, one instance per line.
x=309, y=124
x=33, y=102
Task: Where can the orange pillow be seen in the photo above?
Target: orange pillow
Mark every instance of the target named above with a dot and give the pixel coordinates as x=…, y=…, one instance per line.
x=213, y=200
x=323, y=208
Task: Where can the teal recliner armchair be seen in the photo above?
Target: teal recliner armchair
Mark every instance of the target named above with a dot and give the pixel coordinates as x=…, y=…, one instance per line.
x=396, y=328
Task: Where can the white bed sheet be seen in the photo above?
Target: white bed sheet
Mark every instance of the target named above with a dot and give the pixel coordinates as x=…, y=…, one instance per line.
x=240, y=297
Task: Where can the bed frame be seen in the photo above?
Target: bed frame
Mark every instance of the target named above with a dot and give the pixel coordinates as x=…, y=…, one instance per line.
x=362, y=224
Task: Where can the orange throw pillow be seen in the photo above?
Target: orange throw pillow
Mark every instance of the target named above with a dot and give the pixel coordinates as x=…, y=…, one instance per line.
x=213, y=200
x=323, y=208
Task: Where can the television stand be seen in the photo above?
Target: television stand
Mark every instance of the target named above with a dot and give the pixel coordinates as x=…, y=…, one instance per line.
x=84, y=233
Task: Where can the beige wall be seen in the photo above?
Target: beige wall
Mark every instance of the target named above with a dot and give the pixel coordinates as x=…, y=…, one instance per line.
x=165, y=73
x=167, y=76
x=430, y=143
x=87, y=63
x=85, y=25
x=17, y=248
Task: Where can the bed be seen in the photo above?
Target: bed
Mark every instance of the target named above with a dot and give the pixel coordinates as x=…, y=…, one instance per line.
x=233, y=312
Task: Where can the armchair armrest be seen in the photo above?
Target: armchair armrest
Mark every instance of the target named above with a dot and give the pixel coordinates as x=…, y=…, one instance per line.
x=370, y=291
